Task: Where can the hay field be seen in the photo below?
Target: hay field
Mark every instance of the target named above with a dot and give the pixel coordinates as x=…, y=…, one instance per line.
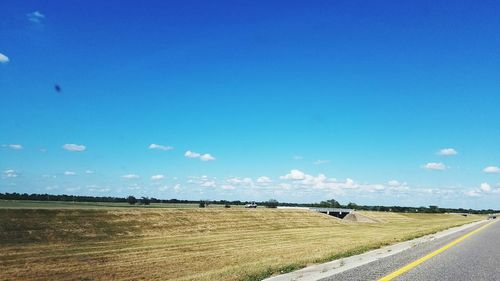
x=189, y=244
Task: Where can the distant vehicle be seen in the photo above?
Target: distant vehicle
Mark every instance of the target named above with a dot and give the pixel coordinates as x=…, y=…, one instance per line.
x=251, y=205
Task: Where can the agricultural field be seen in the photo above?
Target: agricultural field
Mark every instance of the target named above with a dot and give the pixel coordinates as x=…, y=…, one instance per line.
x=190, y=243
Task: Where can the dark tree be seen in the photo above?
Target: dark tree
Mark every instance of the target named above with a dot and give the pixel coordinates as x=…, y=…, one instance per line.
x=145, y=201
x=352, y=205
x=434, y=209
x=332, y=203
x=271, y=203
x=204, y=203
x=131, y=200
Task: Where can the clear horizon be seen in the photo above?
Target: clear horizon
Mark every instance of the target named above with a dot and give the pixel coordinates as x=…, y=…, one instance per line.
x=373, y=103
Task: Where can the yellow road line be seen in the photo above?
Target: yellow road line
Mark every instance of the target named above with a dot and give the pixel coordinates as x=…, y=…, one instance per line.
x=421, y=260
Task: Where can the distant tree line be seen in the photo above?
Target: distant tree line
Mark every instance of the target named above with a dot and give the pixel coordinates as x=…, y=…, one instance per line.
x=130, y=199
x=272, y=203
x=63, y=197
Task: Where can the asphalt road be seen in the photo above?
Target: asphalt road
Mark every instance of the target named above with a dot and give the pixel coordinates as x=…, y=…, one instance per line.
x=477, y=257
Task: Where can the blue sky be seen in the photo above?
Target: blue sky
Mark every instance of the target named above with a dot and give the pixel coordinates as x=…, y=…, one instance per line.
x=251, y=100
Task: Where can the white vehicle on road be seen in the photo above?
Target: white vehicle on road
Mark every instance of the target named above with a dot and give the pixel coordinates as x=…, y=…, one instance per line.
x=251, y=205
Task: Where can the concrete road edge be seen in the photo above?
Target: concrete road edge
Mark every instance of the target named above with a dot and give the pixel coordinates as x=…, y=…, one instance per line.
x=320, y=271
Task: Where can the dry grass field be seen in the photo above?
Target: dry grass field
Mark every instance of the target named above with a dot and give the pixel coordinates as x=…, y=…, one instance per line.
x=189, y=244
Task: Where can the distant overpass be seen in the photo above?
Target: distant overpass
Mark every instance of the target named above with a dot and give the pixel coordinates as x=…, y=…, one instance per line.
x=336, y=212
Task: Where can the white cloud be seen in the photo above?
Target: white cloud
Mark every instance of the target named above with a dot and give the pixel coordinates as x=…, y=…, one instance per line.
x=285, y=186
x=447, y=152
x=302, y=182
x=315, y=181
x=157, y=177
x=349, y=183
x=203, y=157
x=485, y=187
x=210, y=183
x=13, y=146
x=228, y=187
x=320, y=162
x=160, y=147
x=377, y=187
x=163, y=188
x=234, y=180
x=207, y=157
x=435, y=166
x=473, y=193
x=177, y=187
x=264, y=179
x=74, y=147
x=190, y=154
x=297, y=157
x=240, y=181
x=135, y=186
x=492, y=170
x=89, y=172
x=69, y=173
x=394, y=183
x=3, y=58
x=300, y=178
x=203, y=181
x=9, y=174
x=130, y=176
x=95, y=188
x=294, y=175
x=35, y=17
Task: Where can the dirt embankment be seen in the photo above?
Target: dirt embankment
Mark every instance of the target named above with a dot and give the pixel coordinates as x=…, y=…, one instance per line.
x=357, y=217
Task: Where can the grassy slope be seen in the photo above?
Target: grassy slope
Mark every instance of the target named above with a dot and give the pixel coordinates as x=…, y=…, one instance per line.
x=188, y=244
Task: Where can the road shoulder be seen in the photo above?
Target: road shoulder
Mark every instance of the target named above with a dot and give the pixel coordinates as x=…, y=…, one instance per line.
x=324, y=270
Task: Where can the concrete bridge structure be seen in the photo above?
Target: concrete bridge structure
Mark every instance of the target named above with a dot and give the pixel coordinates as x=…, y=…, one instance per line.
x=336, y=212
